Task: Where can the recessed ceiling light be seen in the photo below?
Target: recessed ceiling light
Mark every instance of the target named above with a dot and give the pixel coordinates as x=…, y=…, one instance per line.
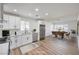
x=46, y=13
x=15, y=10
x=30, y=14
x=36, y=9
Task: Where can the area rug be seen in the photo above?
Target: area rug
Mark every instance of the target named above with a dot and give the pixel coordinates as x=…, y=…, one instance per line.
x=27, y=48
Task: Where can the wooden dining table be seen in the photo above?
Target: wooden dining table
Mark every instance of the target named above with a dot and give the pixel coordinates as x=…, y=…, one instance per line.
x=60, y=33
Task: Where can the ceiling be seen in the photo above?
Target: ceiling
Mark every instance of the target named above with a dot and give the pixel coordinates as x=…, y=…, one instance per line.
x=54, y=10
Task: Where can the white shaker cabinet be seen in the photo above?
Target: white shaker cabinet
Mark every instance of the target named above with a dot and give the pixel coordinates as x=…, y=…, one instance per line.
x=14, y=22
x=11, y=22
x=17, y=22
x=20, y=40
x=25, y=39
x=6, y=23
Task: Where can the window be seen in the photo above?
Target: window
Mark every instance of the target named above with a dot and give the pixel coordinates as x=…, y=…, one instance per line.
x=60, y=27
x=24, y=25
x=27, y=25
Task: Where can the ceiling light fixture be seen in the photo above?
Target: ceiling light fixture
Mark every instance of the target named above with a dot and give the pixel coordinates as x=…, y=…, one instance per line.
x=46, y=13
x=14, y=10
x=36, y=9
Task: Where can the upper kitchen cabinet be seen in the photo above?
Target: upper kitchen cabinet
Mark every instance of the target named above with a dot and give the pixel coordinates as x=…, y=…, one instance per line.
x=17, y=22
x=6, y=23
x=13, y=22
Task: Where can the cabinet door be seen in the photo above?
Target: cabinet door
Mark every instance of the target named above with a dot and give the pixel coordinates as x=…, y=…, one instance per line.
x=11, y=22
x=6, y=24
x=17, y=21
x=19, y=41
x=24, y=39
x=29, y=38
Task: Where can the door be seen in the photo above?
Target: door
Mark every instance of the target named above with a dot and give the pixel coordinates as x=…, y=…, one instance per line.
x=42, y=32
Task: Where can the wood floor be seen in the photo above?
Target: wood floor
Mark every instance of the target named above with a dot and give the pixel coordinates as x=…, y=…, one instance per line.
x=52, y=46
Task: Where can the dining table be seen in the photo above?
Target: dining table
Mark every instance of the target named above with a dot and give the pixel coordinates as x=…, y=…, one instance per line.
x=60, y=33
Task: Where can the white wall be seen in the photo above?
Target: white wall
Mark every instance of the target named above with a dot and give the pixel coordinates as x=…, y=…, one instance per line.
x=48, y=29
